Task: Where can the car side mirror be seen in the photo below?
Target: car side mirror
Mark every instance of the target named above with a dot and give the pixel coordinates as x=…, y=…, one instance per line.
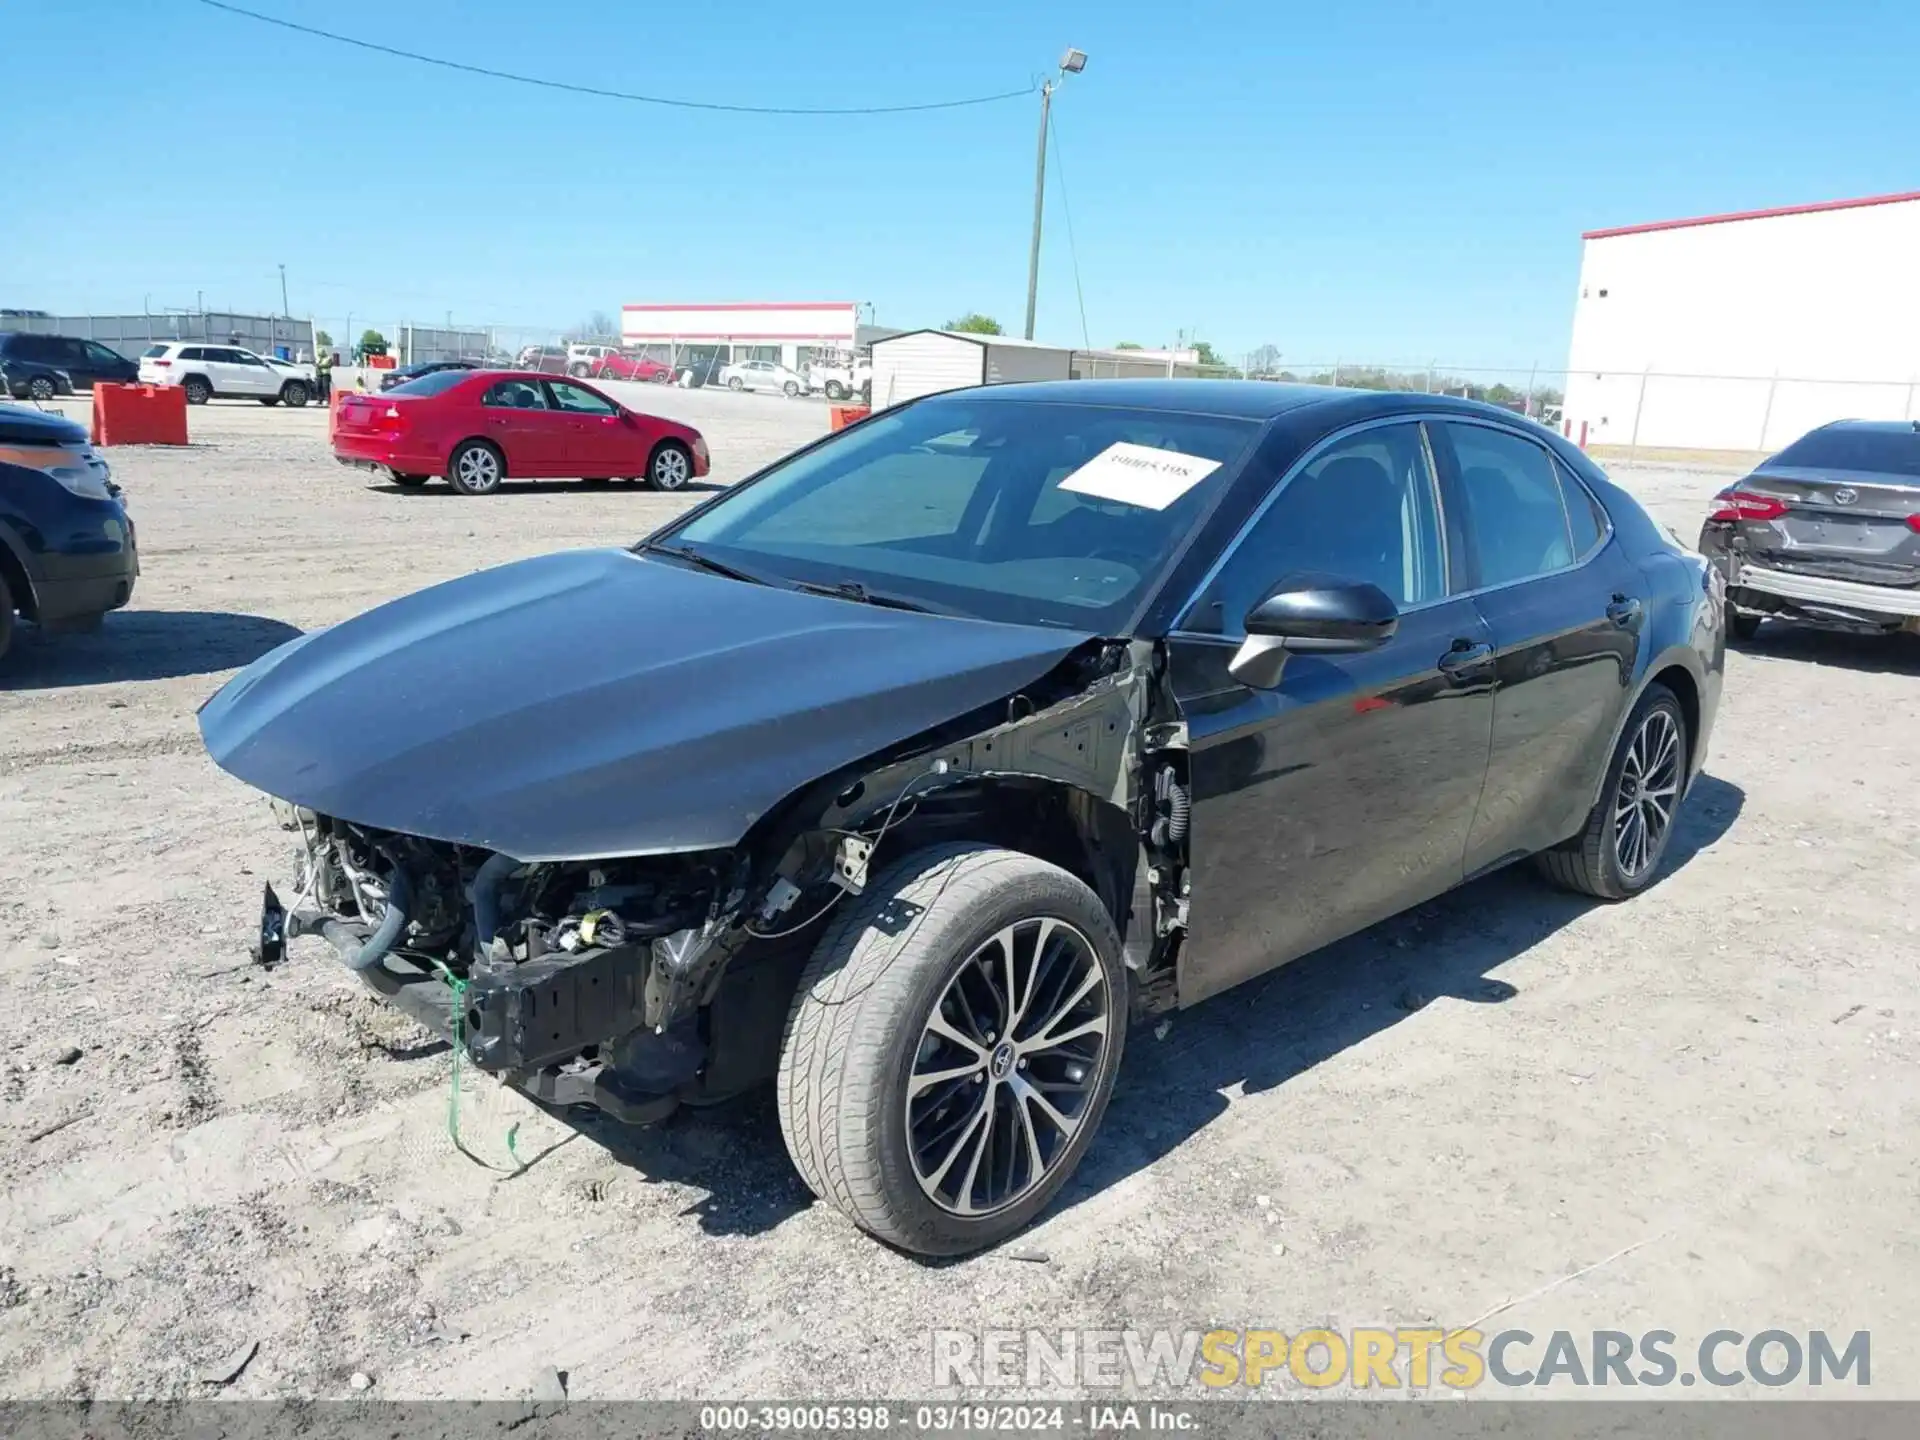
x=1317, y=614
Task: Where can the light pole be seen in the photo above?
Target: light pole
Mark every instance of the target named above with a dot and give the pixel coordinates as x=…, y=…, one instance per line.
x=283, y=292
x=1071, y=63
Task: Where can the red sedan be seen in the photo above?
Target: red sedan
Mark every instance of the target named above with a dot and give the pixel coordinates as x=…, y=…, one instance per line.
x=479, y=427
x=634, y=367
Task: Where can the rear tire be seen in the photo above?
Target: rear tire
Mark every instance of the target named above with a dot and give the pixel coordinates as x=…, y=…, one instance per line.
x=40, y=388
x=883, y=996
x=670, y=466
x=199, y=391
x=1649, y=768
x=294, y=392
x=835, y=390
x=791, y=389
x=476, y=468
x=409, y=482
x=269, y=400
x=736, y=383
x=578, y=371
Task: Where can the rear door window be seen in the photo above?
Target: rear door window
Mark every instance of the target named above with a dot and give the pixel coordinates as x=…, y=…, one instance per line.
x=514, y=395
x=1515, y=512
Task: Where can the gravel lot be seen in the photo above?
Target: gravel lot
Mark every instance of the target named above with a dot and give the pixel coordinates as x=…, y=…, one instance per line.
x=1720, y=1074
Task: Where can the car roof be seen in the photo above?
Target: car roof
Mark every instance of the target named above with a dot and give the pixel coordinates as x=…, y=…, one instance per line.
x=1871, y=427
x=1237, y=399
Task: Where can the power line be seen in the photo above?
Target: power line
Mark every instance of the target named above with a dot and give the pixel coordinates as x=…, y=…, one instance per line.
x=1073, y=250
x=492, y=74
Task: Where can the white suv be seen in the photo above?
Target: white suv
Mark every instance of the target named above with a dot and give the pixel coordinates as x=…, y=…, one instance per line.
x=585, y=360
x=204, y=371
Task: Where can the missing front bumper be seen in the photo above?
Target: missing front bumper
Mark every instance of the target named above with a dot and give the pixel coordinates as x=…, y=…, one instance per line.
x=537, y=1026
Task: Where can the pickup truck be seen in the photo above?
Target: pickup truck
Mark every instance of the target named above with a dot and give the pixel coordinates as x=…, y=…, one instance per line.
x=841, y=381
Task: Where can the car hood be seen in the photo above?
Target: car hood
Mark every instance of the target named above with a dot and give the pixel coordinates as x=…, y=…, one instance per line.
x=22, y=426
x=597, y=703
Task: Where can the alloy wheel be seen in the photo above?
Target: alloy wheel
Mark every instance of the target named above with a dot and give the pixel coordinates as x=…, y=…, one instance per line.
x=1007, y=1066
x=478, y=469
x=669, y=468
x=40, y=388
x=1648, y=792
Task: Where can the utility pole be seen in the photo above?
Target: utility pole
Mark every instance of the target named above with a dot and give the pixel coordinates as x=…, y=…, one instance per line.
x=1072, y=63
x=283, y=293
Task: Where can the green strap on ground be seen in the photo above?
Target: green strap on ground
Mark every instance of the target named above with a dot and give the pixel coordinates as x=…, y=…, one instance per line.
x=459, y=1016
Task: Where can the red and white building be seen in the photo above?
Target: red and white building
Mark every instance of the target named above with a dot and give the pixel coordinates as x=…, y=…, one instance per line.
x=789, y=334
x=1743, y=331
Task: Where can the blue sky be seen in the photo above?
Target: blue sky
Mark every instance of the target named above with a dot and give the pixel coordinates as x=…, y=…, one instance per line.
x=1390, y=181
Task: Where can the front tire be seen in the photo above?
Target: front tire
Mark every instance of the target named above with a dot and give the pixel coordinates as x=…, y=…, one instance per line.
x=476, y=468
x=579, y=371
x=670, y=466
x=1742, y=627
x=7, y=603
x=791, y=389
x=40, y=388
x=294, y=392
x=835, y=390
x=736, y=383
x=1618, y=852
x=993, y=1015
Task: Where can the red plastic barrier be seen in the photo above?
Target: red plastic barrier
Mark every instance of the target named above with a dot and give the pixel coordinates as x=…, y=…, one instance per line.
x=139, y=415
x=382, y=362
x=841, y=416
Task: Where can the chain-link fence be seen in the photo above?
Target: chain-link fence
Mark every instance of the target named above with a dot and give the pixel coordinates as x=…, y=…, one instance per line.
x=128, y=335
x=1636, y=410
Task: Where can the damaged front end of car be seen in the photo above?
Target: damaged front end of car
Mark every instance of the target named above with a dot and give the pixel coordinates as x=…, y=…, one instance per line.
x=634, y=984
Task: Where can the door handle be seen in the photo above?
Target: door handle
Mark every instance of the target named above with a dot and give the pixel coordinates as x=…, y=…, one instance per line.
x=1465, y=657
x=1624, y=611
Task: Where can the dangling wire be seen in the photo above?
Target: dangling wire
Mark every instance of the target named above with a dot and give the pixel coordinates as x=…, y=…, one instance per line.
x=1073, y=250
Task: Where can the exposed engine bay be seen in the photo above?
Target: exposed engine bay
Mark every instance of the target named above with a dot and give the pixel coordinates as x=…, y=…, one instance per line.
x=635, y=983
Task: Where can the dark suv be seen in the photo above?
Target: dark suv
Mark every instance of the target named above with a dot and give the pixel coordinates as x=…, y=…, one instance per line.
x=33, y=364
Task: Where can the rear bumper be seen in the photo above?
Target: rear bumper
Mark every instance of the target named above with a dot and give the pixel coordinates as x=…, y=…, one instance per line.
x=1752, y=582
x=373, y=453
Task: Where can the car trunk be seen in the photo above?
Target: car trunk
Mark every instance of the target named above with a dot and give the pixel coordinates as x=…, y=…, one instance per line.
x=1833, y=523
x=371, y=415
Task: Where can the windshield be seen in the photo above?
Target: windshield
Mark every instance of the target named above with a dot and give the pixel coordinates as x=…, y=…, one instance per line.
x=1891, y=452
x=1020, y=511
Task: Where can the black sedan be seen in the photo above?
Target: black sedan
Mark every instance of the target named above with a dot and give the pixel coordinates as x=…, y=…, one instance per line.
x=423, y=367
x=67, y=549
x=1824, y=534
x=906, y=771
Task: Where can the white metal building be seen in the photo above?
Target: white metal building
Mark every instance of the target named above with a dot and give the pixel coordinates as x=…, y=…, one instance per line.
x=925, y=362
x=1743, y=331
x=788, y=334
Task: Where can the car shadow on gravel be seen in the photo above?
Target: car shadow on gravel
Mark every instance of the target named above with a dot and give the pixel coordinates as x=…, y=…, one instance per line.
x=733, y=1152
x=1264, y=1033
x=1256, y=1037
x=140, y=645
x=438, y=488
x=1883, y=654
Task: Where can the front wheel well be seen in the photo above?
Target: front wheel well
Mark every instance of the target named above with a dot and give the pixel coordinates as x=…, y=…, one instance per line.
x=21, y=588
x=1090, y=838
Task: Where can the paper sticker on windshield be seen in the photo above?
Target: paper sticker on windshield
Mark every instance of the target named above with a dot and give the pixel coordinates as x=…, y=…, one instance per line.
x=1140, y=475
